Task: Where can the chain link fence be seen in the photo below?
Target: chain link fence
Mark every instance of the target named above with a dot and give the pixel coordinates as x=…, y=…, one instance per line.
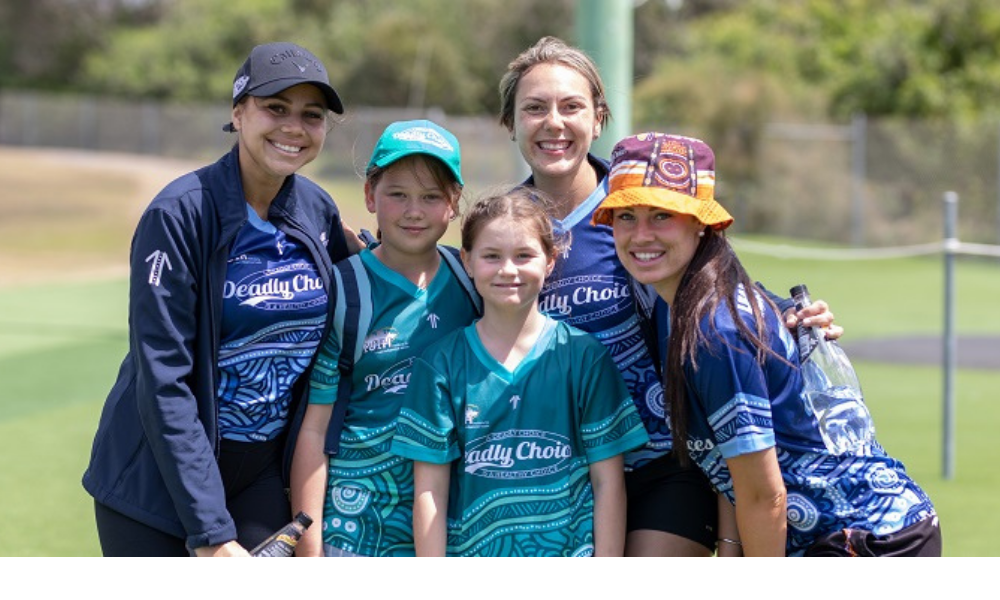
x=869, y=183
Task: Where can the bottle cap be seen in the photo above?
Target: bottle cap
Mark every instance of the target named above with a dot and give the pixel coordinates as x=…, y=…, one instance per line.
x=305, y=519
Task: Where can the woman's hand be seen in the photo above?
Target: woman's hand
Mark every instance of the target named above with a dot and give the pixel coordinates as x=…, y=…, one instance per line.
x=816, y=314
x=221, y=550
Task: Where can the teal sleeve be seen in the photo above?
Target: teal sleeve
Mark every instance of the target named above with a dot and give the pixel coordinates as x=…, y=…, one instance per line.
x=425, y=428
x=325, y=372
x=611, y=425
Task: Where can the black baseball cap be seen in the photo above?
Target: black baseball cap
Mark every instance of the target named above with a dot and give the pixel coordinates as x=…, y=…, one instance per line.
x=277, y=66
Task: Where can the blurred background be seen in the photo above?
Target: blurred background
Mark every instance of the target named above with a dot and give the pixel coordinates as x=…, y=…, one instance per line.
x=839, y=127
x=856, y=114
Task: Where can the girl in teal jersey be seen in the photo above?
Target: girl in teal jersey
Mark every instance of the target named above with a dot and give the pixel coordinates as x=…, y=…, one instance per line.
x=364, y=493
x=517, y=423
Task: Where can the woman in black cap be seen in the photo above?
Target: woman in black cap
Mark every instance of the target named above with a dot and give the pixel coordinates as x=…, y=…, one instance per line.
x=228, y=301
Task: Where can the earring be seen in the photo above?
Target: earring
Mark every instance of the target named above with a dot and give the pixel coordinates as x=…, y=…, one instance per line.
x=701, y=233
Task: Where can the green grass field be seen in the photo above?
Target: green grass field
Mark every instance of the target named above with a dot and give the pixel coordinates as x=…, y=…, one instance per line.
x=60, y=346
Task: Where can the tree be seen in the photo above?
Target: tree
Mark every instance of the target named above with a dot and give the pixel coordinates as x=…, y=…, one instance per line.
x=43, y=42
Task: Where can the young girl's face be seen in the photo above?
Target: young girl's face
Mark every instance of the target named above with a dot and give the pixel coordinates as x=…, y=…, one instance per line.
x=508, y=264
x=411, y=209
x=656, y=245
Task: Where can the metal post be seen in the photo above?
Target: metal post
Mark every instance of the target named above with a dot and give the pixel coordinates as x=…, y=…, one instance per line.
x=859, y=126
x=605, y=33
x=950, y=345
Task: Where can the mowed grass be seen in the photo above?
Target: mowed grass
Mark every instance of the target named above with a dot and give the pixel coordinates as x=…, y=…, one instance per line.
x=61, y=343
x=60, y=346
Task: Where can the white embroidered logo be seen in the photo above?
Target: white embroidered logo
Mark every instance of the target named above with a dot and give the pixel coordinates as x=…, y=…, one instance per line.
x=433, y=320
x=424, y=135
x=239, y=84
x=159, y=260
x=514, y=400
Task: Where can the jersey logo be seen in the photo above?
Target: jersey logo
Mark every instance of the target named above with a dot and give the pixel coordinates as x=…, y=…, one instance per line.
x=159, y=260
x=433, y=320
x=381, y=339
x=471, y=412
x=518, y=454
x=514, y=400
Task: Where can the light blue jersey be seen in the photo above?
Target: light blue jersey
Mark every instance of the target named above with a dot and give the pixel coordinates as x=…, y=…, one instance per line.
x=740, y=406
x=369, y=504
x=520, y=442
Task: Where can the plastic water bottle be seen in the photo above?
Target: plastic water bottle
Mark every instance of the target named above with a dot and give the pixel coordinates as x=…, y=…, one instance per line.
x=282, y=543
x=831, y=388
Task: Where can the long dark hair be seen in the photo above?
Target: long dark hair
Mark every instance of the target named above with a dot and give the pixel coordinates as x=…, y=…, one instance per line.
x=713, y=276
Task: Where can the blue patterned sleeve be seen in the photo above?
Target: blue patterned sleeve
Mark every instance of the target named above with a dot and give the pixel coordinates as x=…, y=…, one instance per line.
x=731, y=388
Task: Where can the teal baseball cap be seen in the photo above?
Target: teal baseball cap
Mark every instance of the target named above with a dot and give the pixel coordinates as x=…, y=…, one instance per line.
x=404, y=138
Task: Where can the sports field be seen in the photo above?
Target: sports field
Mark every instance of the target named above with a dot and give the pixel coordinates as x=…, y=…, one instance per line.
x=64, y=238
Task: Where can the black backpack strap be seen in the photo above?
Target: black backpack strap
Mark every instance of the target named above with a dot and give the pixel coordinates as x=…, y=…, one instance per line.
x=368, y=239
x=453, y=258
x=351, y=338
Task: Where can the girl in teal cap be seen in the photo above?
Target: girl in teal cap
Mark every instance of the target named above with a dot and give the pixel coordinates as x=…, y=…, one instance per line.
x=363, y=492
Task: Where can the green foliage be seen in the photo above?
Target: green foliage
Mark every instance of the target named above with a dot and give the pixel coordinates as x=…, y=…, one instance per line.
x=379, y=52
x=914, y=58
x=927, y=58
x=193, y=52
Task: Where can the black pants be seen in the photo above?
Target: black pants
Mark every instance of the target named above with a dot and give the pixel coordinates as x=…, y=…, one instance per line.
x=920, y=539
x=255, y=498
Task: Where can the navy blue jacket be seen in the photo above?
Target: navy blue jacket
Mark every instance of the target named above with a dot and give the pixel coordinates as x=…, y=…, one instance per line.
x=154, y=457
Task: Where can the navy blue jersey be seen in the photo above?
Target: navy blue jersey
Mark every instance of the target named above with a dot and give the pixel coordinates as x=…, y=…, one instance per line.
x=740, y=406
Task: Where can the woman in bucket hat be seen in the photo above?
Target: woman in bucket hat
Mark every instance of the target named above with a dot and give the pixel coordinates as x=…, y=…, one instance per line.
x=734, y=388
x=228, y=302
x=552, y=101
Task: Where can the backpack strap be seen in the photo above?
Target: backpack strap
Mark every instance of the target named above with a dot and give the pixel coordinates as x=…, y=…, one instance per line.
x=357, y=316
x=354, y=284
x=453, y=258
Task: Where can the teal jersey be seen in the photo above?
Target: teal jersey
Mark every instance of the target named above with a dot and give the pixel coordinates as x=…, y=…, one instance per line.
x=369, y=501
x=520, y=443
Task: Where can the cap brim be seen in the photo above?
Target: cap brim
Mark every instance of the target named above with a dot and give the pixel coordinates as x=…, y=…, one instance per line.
x=272, y=88
x=707, y=211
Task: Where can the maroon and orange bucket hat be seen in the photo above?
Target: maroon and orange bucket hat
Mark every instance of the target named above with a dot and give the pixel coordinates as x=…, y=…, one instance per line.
x=671, y=172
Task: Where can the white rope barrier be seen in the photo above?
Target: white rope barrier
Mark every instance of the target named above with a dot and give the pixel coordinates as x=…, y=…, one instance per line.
x=812, y=253
x=949, y=247
x=978, y=249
